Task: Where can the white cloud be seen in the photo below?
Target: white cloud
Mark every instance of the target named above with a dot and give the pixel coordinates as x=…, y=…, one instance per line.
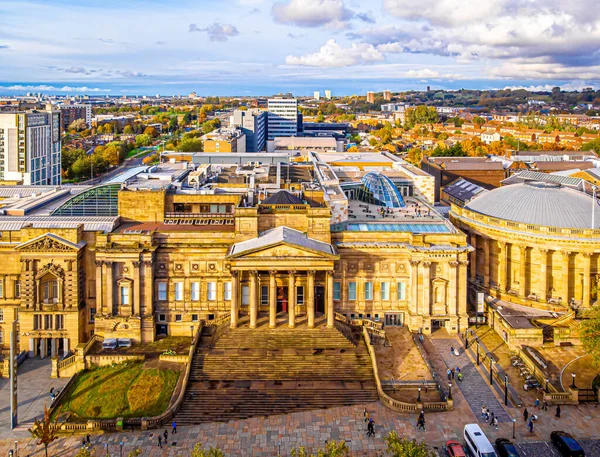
x=446, y=12
x=46, y=88
x=427, y=73
x=544, y=70
x=572, y=86
x=312, y=13
x=332, y=54
x=216, y=31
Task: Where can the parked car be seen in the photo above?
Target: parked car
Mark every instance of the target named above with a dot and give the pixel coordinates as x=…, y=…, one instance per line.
x=566, y=444
x=455, y=449
x=109, y=343
x=531, y=384
x=505, y=448
x=124, y=342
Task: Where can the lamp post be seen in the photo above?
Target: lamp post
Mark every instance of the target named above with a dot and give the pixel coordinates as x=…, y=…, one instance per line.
x=477, y=340
x=546, y=388
x=467, y=339
x=491, y=365
x=514, y=421
x=449, y=391
x=505, y=390
x=106, y=449
x=121, y=445
x=16, y=448
x=419, y=396
x=573, y=386
x=192, y=331
x=279, y=448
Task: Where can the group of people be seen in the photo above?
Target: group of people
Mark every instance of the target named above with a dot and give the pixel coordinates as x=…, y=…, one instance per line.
x=490, y=418
x=529, y=418
x=454, y=372
x=86, y=442
x=370, y=423
x=454, y=351
x=166, y=435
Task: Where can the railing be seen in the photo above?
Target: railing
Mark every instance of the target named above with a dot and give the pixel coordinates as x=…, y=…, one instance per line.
x=346, y=330
x=175, y=215
x=66, y=361
x=270, y=208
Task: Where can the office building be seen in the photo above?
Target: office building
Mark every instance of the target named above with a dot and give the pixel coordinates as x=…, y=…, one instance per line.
x=253, y=123
x=30, y=147
x=283, y=116
x=317, y=95
x=328, y=94
x=387, y=95
x=370, y=97
x=70, y=112
x=230, y=139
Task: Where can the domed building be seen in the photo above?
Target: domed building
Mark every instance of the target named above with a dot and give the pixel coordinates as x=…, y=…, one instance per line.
x=536, y=244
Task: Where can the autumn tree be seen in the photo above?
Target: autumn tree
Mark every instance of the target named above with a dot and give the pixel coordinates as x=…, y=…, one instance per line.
x=402, y=447
x=190, y=145
x=143, y=140
x=78, y=125
x=128, y=130
x=332, y=449
x=45, y=430
x=199, y=451
x=589, y=332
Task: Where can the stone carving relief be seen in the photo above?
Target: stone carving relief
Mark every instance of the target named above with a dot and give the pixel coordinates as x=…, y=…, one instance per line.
x=55, y=270
x=47, y=245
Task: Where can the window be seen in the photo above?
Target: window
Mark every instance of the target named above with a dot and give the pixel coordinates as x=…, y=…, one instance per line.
x=178, y=291
x=385, y=290
x=178, y=318
x=1, y=315
x=212, y=291
x=17, y=288
x=124, y=295
x=1, y=288
x=368, y=290
x=162, y=291
x=337, y=290
x=37, y=321
x=264, y=295
x=300, y=295
x=59, y=321
x=194, y=318
x=162, y=317
x=47, y=321
x=401, y=291
x=92, y=315
x=195, y=291
x=352, y=290
x=245, y=295
x=1, y=337
x=227, y=291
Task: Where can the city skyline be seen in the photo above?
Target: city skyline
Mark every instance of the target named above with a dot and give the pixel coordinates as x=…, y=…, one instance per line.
x=226, y=48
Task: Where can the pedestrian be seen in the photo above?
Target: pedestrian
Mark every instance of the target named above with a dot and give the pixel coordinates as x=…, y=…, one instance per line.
x=487, y=414
x=160, y=441
x=492, y=417
x=166, y=435
x=371, y=428
x=449, y=373
x=421, y=424
x=452, y=373
x=451, y=350
x=537, y=403
x=421, y=338
x=458, y=370
x=83, y=444
x=483, y=411
x=495, y=422
x=421, y=415
x=174, y=424
x=525, y=415
x=460, y=376
x=530, y=425
x=545, y=406
x=88, y=439
x=365, y=415
x=557, y=411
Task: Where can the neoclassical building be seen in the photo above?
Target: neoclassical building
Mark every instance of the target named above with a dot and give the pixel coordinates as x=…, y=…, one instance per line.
x=148, y=254
x=535, y=244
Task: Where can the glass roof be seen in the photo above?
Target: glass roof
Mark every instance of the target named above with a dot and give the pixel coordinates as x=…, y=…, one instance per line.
x=97, y=201
x=412, y=228
x=378, y=189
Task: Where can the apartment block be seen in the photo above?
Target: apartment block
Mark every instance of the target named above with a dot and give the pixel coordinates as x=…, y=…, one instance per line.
x=253, y=123
x=283, y=116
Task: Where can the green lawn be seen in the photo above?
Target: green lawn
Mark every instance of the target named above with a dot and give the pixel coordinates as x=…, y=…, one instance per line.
x=138, y=151
x=124, y=390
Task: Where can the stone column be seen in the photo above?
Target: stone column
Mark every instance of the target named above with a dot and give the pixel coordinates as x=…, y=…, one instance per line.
x=414, y=287
x=292, y=298
x=473, y=270
x=253, y=299
x=310, y=299
x=137, y=284
x=329, y=300
x=566, y=255
x=454, y=289
x=502, y=266
x=53, y=347
x=543, y=275
x=272, y=298
x=523, y=271
x=109, y=286
x=235, y=285
x=65, y=346
x=148, y=307
x=99, y=300
x=587, y=260
x=426, y=311
x=486, y=260
x=462, y=287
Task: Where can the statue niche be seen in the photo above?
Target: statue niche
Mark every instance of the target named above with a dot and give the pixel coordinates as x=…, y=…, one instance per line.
x=440, y=296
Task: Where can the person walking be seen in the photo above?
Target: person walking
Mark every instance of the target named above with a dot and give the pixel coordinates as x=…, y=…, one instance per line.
x=557, y=411
x=460, y=376
x=483, y=411
x=487, y=414
x=530, y=425
x=451, y=351
x=365, y=415
x=166, y=435
x=88, y=439
x=160, y=441
x=492, y=417
x=545, y=406
x=174, y=424
x=525, y=415
x=449, y=373
x=495, y=422
x=421, y=415
x=452, y=373
x=371, y=428
x=537, y=403
x=421, y=424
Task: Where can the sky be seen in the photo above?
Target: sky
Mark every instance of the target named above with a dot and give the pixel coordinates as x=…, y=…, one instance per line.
x=261, y=47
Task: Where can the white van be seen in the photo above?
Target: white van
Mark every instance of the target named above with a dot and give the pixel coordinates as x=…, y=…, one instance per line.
x=477, y=442
x=109, y=343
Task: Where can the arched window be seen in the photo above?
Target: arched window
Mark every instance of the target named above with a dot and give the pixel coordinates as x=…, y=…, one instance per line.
x=49, y=289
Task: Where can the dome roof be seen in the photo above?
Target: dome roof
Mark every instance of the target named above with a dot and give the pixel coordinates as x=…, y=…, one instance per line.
x=538, y=203
x=378, y=189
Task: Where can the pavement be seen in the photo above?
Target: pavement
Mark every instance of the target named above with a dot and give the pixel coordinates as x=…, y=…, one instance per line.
x=33, y=392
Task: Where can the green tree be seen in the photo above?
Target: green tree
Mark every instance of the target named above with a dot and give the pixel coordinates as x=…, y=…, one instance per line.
x=332, y=449
x=44, y=431
x=190, y=145
x=593, y=145
x=143, y=140
x=320, y=117
x=199, y=451
x=211, y=125
x=402, y=447
x=589, y=332
x=128, y=130
x=478, y=120
x=69, y=157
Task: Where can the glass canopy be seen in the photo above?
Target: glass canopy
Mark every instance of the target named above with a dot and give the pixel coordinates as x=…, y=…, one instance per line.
x=378, y=189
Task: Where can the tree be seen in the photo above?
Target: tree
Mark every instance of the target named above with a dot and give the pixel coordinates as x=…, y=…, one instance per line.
x=478, y=120
x=593, y=145
x=589, y=332
x=44, y=430
x=128, y=130
x=151, y=132
x=143, y=140
x=211, y=125
x=320, y=117
x=70, y=156
x=190, y=145
x=332, y=449
x=199, y=451
x=402, y=447
x=135, y=452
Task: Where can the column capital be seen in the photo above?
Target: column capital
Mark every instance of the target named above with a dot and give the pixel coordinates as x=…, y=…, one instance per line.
x=292, y=272
x=273, y=272
x=502, y=244
x=136, y=263
x=543, y=251
x=148, y=263
x=253, y=273
x=310, y=272
x=453, y=263
x=98, y=263
x=427, y=263
x=329, y=273
x=565, y=253
x=108, y=263
x=234, y=273
x=587, y=254
x=415, y=263
x=522, y=248
x=464, y=263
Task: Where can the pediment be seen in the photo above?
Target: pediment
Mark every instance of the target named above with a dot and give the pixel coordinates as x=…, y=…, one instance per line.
x=48, y=243
x=285, y=250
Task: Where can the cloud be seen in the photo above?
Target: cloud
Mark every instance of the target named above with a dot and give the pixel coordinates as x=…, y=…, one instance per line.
x=572, y=86
x=130, y=74
x=365, y=17
x=253, y=11
x=332, y=54
x=3, y=46
x=295, y=36
x=76, y=70
x=216, y=31
x=312, y=13
x=46, y=88
x=427, y=73
x=161, y=43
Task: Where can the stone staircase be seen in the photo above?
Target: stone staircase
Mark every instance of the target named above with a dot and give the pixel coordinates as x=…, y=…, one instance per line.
x=259, y=372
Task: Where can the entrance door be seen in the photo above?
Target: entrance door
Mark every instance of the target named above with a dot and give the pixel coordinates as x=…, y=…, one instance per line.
x=282, y=299
x=320, y=299
x=161, y=329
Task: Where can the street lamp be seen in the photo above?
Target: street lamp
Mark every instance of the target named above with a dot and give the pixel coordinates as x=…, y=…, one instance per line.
x=121, y=445
x=505, y=390
x=491, y=372
x=573, y=386
x=106, y=448
x=449, y=391
x=279, y=449
x=419, y=396
x=16, y=448
x=546, y=388
x=477, y=340
x=514, y=423
x=192, y=331
x=467, y=339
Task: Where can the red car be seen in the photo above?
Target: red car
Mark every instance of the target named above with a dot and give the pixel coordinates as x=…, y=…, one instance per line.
x=455, y=449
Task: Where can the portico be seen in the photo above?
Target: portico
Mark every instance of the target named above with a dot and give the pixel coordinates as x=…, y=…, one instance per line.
x=282, y=271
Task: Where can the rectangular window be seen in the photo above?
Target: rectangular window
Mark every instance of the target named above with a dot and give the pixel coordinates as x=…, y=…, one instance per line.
x=178, y=318
x=162, y=291
x=227, y=291
x=195, y=291
x=92, y=315
x=337, y=290
x=1, y=288
x=59, y=322
x=352, y=290
x=368, y=290
x=1, y=337
x=245, y=295
x=178, y=291
x=1, y=315
x=401, y=291
x=124, y=295
x=264, y=295
x=37, y=321
x=162, y=317
x=47, y=321
x=385, y=290
x=17, y=289
x=300, y=295
x=212, y=291
x=194, y=318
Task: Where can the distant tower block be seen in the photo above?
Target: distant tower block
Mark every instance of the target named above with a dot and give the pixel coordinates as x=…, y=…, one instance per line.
x=317, y=95
x=387, y=95
x=328, y=94
x=370, y=97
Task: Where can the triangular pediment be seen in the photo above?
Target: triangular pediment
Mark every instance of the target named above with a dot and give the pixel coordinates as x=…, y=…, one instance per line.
x=49, y=243
x=285, y=250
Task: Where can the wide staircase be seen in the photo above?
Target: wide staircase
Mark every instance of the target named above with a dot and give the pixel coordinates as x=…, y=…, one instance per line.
x=259, y=372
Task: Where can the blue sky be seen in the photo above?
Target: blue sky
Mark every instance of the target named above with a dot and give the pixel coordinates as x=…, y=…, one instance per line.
x=259, y=47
